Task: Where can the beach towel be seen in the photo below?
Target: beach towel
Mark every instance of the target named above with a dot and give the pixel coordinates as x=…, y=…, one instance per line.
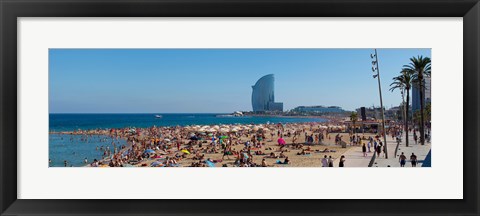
x=280, y=162
x=209, y=163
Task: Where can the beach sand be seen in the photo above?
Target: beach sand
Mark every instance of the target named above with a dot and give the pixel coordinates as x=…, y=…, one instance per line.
x=269, y=145
x=310, y=160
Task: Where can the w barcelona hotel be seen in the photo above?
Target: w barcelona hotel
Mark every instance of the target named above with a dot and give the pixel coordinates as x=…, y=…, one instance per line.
x=263, y=95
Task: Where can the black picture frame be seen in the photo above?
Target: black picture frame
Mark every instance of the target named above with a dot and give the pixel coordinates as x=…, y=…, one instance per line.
x=10, y=10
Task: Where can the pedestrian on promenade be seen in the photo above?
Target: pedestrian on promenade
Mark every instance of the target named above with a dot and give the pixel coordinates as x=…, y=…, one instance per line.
x=383, y=149
x=379, y=150
x=402, y=160
x=325, y=161
x=364, y=150
x=413, y=159
x=330, y=161
x=369, y=145
x=341, y=163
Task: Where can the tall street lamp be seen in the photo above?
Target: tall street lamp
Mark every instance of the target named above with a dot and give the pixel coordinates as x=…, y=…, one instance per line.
x=376, y=74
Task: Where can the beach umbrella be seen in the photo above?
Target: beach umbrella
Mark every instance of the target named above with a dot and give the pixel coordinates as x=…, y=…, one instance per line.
x=149, y=151
x=281, y=141
x=185, y=151
x=166, y=140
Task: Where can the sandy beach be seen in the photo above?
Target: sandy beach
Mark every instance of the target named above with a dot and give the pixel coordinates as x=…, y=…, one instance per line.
x=304, y=144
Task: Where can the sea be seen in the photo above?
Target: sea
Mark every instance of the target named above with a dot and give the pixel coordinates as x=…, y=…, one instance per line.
x=74, y=149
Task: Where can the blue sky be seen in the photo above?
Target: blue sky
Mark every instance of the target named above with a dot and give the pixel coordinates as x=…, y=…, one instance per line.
x=217, y=80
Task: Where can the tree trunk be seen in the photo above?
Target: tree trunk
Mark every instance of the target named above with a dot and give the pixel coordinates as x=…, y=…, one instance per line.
x=354, y=131
x=406, y=119
x=422, y=104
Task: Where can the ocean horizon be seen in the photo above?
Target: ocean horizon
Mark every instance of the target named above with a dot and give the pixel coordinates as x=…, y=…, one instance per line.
x=60, y=122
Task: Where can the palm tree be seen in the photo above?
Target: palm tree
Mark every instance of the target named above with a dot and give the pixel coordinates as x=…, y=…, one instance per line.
x=404, y=83
x=353, y=118
x=420, y=67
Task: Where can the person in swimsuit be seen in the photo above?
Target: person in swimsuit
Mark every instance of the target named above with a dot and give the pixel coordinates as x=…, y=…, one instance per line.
x=402, y=160
x=413, y=160
x=341, y=163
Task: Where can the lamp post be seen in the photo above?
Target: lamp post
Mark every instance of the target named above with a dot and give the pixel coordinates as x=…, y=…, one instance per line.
x=404, y=112
x=376, y=74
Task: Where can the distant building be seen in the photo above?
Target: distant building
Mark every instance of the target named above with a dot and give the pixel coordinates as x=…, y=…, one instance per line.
x=263, y=95
x=318, y=109
x=371, y=112
x=416, y=94
x=395, y=113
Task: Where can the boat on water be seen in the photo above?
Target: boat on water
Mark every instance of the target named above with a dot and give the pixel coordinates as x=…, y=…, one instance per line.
x=235, y=114
x=158, y=116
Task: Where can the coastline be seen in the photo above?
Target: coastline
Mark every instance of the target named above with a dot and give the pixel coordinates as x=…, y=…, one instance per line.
x=176, y=144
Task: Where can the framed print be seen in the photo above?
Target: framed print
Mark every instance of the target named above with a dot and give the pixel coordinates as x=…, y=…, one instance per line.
x=253, y=107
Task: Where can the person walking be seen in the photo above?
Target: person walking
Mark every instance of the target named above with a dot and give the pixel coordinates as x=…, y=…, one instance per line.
x=402, y=160
x=330, y=161
x=413, y=160
x=324, y=161
x=383, y=149
x=341, y=163
x=364, y=150
x=369, y=144
x=379, y=150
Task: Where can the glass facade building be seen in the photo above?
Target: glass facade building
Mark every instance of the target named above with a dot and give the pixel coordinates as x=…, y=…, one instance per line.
x=416, y=94
x=263, y=95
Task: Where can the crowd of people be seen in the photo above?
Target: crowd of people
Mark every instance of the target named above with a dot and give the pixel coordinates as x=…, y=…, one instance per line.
x=171, y=146
x=182, y=146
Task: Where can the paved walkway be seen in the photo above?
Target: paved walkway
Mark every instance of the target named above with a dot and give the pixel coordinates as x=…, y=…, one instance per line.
x=354, y=156
x=421, y=151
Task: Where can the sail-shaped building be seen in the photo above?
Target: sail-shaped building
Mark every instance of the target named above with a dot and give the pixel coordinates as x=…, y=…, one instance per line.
x=263, y=95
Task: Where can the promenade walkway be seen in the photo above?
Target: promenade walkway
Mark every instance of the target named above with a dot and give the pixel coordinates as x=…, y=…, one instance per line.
x=355, y=158
x=421, y=151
